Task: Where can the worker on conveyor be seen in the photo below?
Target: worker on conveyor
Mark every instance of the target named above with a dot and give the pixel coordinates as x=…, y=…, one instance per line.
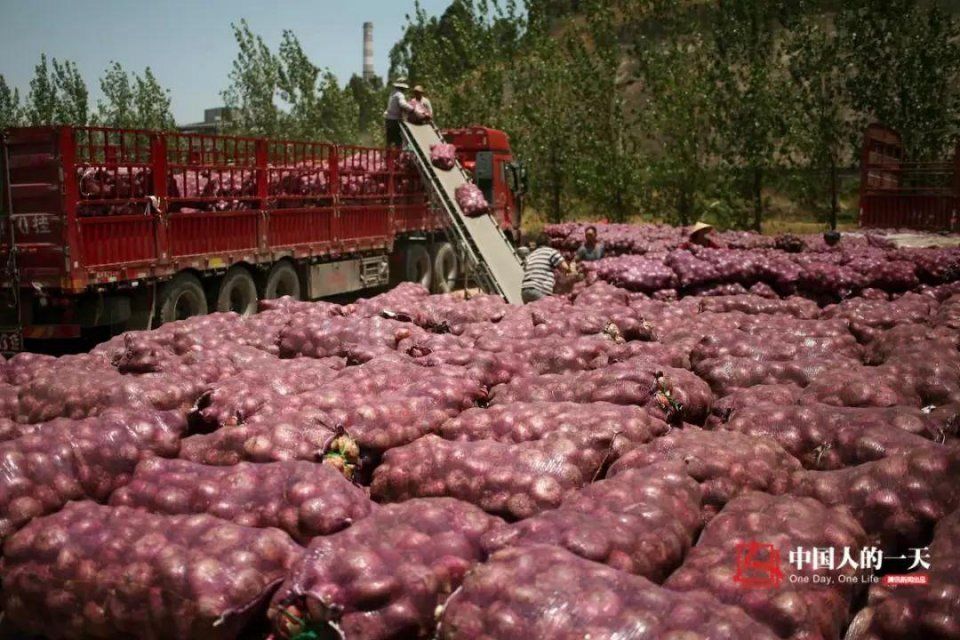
x=420, y=99
x=397, y=106
x=538, y=271
x=590, y=250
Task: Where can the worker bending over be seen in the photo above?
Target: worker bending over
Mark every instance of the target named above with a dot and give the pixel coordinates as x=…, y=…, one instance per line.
x=538, y=277
x=590, y=249
x=420, y=98
x=702, y=234
x=397, y=106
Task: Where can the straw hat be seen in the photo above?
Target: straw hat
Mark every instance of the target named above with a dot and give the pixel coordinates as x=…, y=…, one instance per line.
x=700, y=226
x=401, y=83
x=418, y=89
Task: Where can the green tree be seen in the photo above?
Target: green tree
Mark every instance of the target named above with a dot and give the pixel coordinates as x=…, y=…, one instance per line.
x=319, y=108
x=824, y=122
x=905, y=59
x=10, y=112
x=58, y=95
x=117, y=108
x=607, y=175
x=545, y=123
x=72, y=104
x=750, y=93
x=152, y=102
x=251, y=95
x=370, y=97
x=676, y=114
x=464, y=57
x=131, y=100
x=41, y=107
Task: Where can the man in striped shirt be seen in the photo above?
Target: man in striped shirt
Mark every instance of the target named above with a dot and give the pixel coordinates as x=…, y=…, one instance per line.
x=538, y=276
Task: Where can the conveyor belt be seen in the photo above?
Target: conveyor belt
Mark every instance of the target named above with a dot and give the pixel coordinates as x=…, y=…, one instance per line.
x=496, y=264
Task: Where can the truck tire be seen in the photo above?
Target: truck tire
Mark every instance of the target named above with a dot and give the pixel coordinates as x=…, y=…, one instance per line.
x=282, y=280
x=237, y=292
x=419, y=266
x=446, y=268
x=181, y=298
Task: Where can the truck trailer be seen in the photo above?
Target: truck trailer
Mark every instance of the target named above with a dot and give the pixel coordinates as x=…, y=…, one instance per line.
x=107, y=229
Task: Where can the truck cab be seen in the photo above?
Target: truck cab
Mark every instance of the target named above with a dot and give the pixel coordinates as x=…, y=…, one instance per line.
x=485, y=154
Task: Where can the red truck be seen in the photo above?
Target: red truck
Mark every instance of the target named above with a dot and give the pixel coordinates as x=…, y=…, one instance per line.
x=113, y=229
x=897, y=192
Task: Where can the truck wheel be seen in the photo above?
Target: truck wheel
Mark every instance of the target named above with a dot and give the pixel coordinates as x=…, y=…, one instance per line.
x=238, y=292
x=446, y=268
x=181, y=298
x=282, y=280
x=419, y=267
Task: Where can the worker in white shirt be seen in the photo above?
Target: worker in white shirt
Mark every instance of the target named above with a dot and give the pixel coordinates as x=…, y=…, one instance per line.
x=397, y=106
x=420, y=98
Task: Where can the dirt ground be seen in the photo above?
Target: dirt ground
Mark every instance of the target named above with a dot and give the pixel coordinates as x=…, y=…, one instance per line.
x=919, y=239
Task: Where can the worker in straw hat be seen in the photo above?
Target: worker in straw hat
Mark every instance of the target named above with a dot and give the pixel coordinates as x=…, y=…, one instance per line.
x=397, y=105
x=420, y=98
x=702, y=234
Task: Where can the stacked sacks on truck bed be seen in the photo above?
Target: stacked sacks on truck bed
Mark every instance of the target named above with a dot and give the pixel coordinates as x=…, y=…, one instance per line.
x=415, y=466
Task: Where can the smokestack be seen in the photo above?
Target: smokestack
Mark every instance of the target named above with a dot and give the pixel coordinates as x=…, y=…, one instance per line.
x=368, y=72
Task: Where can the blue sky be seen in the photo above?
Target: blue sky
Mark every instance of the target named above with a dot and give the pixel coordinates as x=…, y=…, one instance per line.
x=188, y=44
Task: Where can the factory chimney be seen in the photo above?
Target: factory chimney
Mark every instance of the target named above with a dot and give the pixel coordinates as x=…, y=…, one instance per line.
x=368, y=72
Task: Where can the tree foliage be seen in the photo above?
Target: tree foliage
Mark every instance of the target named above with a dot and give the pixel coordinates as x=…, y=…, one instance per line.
x=10, y=110
x=41, y=107
x=903, y=72
x=825, y=123
x=58, y=94
x=686, y=110
x=675, y=108
x=251, y=96
x=285, y=94
x=133, y=101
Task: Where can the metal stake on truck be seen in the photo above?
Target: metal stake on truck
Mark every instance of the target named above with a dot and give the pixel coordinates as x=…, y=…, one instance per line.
x=116, y=229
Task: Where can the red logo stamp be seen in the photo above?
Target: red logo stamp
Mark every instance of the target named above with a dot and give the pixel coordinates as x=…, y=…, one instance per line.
x=758, y=565
x=914, y=579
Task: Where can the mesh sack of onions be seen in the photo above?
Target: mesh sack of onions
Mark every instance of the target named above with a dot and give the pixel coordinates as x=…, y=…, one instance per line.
x=825, y=437
x=356, y=339
x=672, y=394
x=925, y=612
x=897, y=500
x=738, y=344
x=470, y=200
x=543, y=592
x=725, y=464
x=92, y=571
x=237, y=398
x=791, y=609
x=384, y=576
x=778, y=394
x=443, y=156
x=726, y=375
x=66, y=460
x=301, y=498
x=515, y=480
x=643, y=522
x=618, y=427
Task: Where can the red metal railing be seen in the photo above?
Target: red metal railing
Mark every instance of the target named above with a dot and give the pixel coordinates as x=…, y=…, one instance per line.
x=129, y=204
x=301, y=174
x=114, y=170
x=896, y=192
x=212, y=173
